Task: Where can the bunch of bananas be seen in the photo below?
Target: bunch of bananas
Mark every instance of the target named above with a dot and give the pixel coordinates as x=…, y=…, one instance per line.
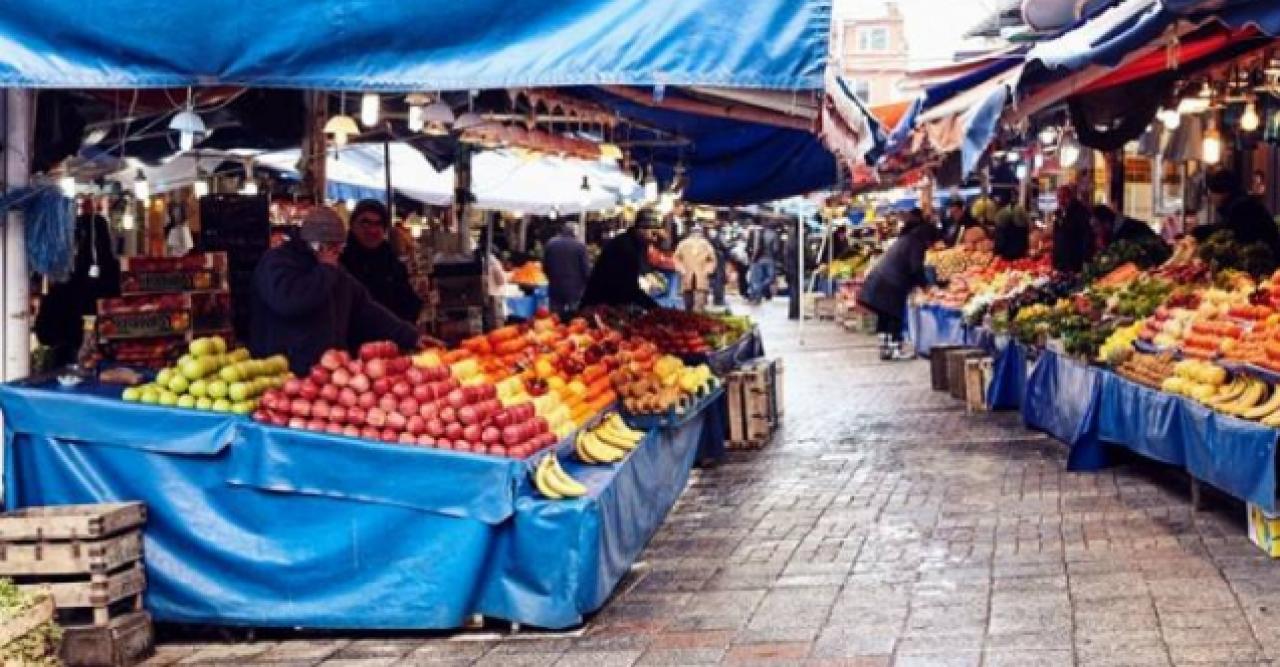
x=608, y=442
x=697, y=380
x=553, y=482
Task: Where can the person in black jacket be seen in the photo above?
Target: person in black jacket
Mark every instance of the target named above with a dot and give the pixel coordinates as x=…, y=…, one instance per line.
x=615, y=278
x=95, y=275
x=894, y=275
x=370, y=258
x=1238, y=212
x=1124, y=229
x=1073, y=241
x=1012, y=234
x=304, y=302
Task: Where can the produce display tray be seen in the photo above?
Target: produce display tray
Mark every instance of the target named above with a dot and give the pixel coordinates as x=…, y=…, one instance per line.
x=673, y=419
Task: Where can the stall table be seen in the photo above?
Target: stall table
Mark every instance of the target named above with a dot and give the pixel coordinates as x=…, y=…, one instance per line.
x=253, y=525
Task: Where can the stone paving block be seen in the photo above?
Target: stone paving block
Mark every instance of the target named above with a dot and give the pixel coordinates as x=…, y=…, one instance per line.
x=598, y=659
x=681, y=657
x=519, y=660
x=782, y=654
x=845, y=643
x=224, y=653
x=303, y=650
x=953, y=659
x=1013, y=658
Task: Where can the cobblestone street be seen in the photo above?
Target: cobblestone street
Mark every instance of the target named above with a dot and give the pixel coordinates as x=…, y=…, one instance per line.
x=884, y=525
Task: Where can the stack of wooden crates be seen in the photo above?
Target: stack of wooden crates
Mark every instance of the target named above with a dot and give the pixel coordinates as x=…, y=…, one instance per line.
x=754, y=394
x=89, y=559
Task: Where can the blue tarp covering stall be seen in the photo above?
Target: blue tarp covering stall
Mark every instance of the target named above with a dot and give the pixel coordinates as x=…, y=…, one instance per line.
x=1008, y=377
x=930, y=326
x=358, y=45
x=1236, y=456
x=258, y=526
x=1062, y=400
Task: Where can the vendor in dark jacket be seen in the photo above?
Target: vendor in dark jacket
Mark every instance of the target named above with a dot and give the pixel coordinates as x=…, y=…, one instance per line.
x=894, y=275
x=371, y=260
x=304, y=302
x=1073, y=239
x=615, y=278
x=1012, y=234
x=1123, y=228
x=1238, y=212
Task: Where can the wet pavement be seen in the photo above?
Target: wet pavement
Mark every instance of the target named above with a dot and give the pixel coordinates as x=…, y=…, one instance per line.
x=886, y=526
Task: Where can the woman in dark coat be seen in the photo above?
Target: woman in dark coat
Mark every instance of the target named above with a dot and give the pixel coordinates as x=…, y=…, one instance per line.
x=891, y=281
x=95, y=275
x=370, y=258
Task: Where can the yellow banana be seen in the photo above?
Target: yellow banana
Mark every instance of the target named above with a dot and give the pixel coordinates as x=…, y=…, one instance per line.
x=541, y=482
x=601, y=451
x=620, y=425
x=611, y=438
x=1266, y=409
x=1272, y=420
x=583, y=454
x=1250, y=398
x=1228, y=393
x=561, y=482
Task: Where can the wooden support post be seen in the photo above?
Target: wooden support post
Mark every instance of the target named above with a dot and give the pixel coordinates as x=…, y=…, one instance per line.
x=314, y=144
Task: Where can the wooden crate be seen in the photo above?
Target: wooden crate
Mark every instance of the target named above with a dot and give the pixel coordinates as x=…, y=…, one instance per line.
x=753, y=396
x=126, y=640
x=938, y=366
x=19, y=626
x=956, y=360
x=824, y=308
x=977, y=376
x=99, y=591
x=18, y=559
x=70, y=522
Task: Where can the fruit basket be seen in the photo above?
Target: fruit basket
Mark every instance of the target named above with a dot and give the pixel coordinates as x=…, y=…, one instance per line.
x=678, y=414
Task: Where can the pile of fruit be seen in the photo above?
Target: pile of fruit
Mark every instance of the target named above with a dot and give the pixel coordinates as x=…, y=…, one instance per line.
x=1243, y=396
x=953, y=262
x=210, y=378
x=529, y=274
x=664, y=386
x=678, y=331
x=607, y=442
x=1150, y=370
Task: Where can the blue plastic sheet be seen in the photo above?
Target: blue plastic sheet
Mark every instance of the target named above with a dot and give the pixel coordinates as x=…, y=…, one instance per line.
x=1062, y=400
x=255, y=526
x=1008, y=378
x=931, y=326
x=356, y=44
x=1235, y=14
x=1236, y=456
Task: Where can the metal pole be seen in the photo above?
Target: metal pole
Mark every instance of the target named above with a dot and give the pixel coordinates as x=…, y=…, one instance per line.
x=19, y=115
x=386, y=168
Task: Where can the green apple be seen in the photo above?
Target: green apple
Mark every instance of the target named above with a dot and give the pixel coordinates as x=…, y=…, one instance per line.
x=183, y=360
x=238, y=391
x=231, y=373
x=199, y=389
x=242, y=407
x=204, y=403
x=222, y=405
x=179, y=384
x=279, y=362
x=168, y=399
x=219, y=344
x=201, y=347
x=193, y=369
x=239, y=354
x=150, y=396
x=187, y=401
x=210, y=365
x=217, y=389
x=163, y=377
x=132, y=394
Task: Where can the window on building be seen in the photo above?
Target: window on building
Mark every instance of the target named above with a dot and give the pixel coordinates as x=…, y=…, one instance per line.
x=861, y=90
x=873, y=38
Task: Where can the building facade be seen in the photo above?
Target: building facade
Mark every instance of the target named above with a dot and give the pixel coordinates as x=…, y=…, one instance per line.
x=874, y=56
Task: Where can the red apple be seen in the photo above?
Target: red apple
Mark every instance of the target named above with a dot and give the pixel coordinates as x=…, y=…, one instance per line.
x=402, y=389
x=502, y=419
x=262, y=416
x=407, y=439
x=541, y=425
x=422, y=393
x=396, y=421
x=333, y=428
x=367, y=401
x=351, y=431
x=370, y=433
x=355, y=367
x=347, y=397
x=400, y=365
x=292, y=387
x=382, y=386
x=310, y=390
x=497, y=450
x=408, y=407
x=317, y=425
x=453, y=430
x=461, y=446
x=457, y=398
x=319, y=376
x=512, y=435
x=426, y=441
x=389, y=436
x=547, y=440
x=320, y=410
x=472, y=433
x=491, y=435
x=428, y=410
x=360, y=383
x=376, y=368
x=416, y=425
x=472, y=394
x=355, y=415
x=329, y=393
x=369, y=351
x=444, y=443
x=435, y=428
x=376, y=418
x=340, y=377
x=338, y=414
x=279, y=419
x=448, y=415
x=467, y=414
x=415, y=376
x=298, y=422
x=331, y=360
x=300, y=407
x=388, y=403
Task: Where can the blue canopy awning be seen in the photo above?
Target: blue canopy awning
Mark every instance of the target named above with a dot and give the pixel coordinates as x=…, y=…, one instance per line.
x=1105, y=38
x=407, y=46
x=1235, y=14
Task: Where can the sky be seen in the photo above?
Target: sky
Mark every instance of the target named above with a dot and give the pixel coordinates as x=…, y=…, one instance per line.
x=934, y=27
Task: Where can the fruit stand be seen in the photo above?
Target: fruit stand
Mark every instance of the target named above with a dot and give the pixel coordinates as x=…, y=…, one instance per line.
x=381, y=491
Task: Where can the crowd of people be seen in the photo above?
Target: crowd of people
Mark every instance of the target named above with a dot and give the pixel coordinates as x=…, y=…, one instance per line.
x=1072, y=235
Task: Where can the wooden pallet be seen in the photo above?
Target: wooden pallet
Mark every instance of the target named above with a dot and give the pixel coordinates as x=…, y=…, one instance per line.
x=70, y=522
x=125, y=640
x=977, y=376
x=753, y=393
x=24, y=559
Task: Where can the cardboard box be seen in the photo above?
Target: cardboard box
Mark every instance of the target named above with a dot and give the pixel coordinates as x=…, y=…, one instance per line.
x=1264, y=530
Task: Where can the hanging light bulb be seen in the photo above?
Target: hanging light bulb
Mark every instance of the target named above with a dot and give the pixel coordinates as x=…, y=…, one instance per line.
x=1170, y=118
x=126, y=220
x=250, y=188
x=555, y=213
x=1049, y=135
x=68, y=186
x=467, y=121
x=1211, y=148
x=438, y=117
x=141, y=189
x=341, y=128
x=370, y=109
x=417, y=111
x=650, y=187
x=201, y=188
x=1250, y=120
x=1068, y=149
x=610, y=153
x=188, y=124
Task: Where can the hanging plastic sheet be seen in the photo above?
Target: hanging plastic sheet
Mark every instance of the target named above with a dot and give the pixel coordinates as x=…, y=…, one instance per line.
x=358, y=45
x=1236, y=456
x=1008, y=377
x=932, y=326
x=1062, y=400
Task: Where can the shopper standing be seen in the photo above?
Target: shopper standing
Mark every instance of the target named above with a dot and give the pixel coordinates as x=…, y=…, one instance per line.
x=1013, y=231
x=720, y=276
x=1073, y=236
x=568, y=267
x=370, y=259
x=761, y=242
x=615, y=279
x=899, y=271
x=695, y=259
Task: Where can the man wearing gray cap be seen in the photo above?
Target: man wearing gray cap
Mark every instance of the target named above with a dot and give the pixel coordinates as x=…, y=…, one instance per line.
x=304, y=302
